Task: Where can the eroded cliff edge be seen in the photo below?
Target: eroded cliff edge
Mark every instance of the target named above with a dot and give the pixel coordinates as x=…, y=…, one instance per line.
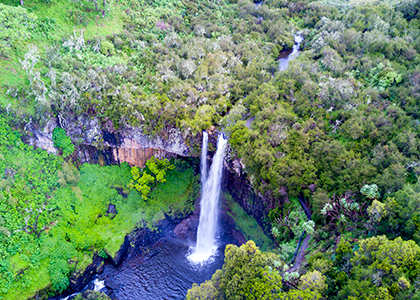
x=101, y=143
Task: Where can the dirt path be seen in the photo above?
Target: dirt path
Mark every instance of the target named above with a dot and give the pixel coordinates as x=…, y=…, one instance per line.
x=305, y=243
x=301, y=255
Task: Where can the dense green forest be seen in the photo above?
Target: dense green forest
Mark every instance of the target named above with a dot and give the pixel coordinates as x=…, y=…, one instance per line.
x=339, y=127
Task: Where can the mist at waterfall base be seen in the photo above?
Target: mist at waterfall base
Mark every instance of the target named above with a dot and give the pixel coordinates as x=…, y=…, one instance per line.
x=206, y=233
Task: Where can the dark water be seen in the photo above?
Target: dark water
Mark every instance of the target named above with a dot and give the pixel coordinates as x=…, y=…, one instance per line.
x=286, y=56
x=166, y=275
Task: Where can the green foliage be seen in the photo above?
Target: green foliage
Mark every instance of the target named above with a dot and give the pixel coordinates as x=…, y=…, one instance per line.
x=54, y=217
x=409, y=8
x=91, y=295
x=68, y=175
x=26, y=209
x=246, y=274
x=313, y=281
x=302, y=295
x=16, y=24
x=145, y=182
x=401, y=214
x=62, y=141
x=370, y=191
x=59, y=271
x=107, y=48
x=380, y=268
x=344, y=113
x=377, y=210
x=288, y=223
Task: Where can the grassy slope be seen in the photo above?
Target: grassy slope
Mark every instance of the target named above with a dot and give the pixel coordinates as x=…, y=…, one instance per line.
x=248, y=226
x=172, y=198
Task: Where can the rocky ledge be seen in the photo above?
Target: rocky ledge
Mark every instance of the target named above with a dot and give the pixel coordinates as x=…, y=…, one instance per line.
x=128, y=144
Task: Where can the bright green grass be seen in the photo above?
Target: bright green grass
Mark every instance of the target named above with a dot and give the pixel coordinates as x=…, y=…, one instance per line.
x=32, y=282
x=97, y=26
x=248, y=225
x=12, y=75
x=94, y=24
x=82, y=228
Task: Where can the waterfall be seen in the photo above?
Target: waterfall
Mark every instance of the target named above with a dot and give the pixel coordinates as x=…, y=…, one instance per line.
x=204, y=158
x=98, y=285
x=206, y=243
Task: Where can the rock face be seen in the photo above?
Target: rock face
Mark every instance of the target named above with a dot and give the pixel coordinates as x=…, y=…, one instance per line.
x=101, y=143
x=43, y=138
x=79, y=279
x=119, y=256
x=234, y=235
x=138, y=157
x=188, y=227
x=112, y=211
x=235, y=181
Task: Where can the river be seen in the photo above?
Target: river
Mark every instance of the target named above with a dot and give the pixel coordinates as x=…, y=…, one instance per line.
x=163, y=271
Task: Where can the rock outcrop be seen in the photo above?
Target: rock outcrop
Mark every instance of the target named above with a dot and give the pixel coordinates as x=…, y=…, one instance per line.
x=97, y=142
x=188, y=226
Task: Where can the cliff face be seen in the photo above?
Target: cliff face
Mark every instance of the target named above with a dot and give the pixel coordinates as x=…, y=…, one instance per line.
x=101, y=143
x=236, y=182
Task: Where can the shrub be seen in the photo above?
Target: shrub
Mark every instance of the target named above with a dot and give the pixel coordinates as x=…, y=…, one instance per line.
x=62, y=141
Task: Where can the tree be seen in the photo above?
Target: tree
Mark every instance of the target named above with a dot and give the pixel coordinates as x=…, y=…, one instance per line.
x=62, y=141
x=33, y=219
x=387, y=262
x=341, y=210
x=247, y=273
x=145, y=180
x=313, y=281
x=370, y=191
x=301, y=295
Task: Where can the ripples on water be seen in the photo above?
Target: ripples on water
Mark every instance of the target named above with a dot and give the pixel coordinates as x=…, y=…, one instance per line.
x=167, y=275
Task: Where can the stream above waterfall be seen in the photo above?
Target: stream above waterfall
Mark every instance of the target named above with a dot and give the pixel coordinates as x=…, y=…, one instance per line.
x=286, y=56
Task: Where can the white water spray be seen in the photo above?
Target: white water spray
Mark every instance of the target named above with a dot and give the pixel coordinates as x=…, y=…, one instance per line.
x=206, y=243
x=98, y=285
x=204, y=158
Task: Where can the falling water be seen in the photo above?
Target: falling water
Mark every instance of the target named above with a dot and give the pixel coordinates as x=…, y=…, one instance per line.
x=204, y=158
x=98, y=285
x=206, y=244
